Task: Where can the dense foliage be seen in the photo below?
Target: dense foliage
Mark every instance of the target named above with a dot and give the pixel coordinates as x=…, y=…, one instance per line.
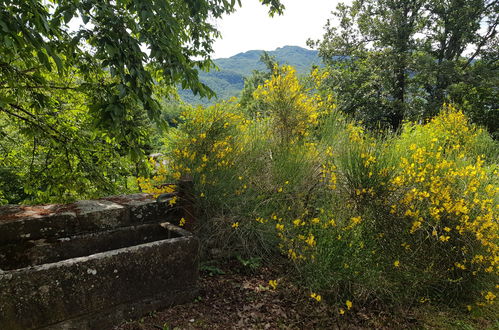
x=392, y=60
x=404, y=219
x=80, y=82
x=52, y=151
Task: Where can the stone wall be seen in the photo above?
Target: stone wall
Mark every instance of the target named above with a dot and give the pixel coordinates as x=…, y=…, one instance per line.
x=92, y=264
x=22, y=222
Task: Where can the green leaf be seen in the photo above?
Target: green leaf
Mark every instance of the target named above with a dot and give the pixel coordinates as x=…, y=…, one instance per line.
x=58, y=63
x=68, y=15
x=85, y=18
x=4, y=26
x=44, y=59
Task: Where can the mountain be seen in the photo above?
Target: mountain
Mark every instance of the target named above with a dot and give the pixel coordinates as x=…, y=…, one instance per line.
x=228, y=81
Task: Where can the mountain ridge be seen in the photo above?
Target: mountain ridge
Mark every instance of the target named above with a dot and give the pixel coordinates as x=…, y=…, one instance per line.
x=228, y=81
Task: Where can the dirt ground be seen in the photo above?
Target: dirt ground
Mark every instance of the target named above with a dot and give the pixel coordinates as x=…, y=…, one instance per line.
x=231, y=297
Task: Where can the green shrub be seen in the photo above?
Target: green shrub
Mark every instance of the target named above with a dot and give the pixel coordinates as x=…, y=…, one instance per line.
x=387, y=219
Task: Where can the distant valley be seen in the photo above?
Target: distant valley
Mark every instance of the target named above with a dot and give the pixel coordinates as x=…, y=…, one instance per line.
x=228, y=81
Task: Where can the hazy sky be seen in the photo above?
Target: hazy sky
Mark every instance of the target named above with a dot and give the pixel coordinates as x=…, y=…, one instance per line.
x=250, y=27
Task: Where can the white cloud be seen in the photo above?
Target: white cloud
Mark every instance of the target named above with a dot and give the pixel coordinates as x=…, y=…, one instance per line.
x=250, y=27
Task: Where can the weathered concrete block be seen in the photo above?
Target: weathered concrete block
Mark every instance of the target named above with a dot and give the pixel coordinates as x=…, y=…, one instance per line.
x=142, y=208
x=21, y=222
x=148, y=267
x=90, y=264
x=95, y=215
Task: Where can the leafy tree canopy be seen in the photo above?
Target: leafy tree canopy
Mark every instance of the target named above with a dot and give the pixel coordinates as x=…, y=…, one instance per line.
x=76, y=102
x=139, y=42
x=396, y=59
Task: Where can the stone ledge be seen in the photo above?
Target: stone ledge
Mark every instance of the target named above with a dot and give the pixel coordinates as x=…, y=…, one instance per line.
x=142, y=208
x=107, y=318
x=22, y=222
x=126, y=282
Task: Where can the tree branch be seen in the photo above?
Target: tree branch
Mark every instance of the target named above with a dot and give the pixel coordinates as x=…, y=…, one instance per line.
x=40, y=87
x=490, y=34
x=34, y=123
x=17, y=107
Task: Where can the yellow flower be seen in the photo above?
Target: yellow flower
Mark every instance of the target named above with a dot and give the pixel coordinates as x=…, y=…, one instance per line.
x=342, y=311
x=423, y=300
x=349, y=304
x=356, y=220
x=182, y=222
x=279, y=226
x=235, y=225
x=315, y=296
x=415, y=226
x=279, y=189
x=172, y=201
x=444, y=238
x=297, y=222
x=311, y=240
x=396, y=263
x=273, y=284
x=490, y=297
x=260, y=220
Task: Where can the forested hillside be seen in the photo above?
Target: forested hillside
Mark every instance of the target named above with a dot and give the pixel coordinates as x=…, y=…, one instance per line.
x=228, y=81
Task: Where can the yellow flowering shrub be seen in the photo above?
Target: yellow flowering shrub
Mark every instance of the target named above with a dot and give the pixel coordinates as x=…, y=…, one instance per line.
x=408, y=218
x=156, y=184
x=292, y=109
x=366, y=166
x=206, y=142
x=448, y=197
x=205, y=148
